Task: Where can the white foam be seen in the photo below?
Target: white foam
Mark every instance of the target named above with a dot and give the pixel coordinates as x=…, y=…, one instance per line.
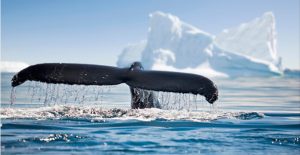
x=97, y=113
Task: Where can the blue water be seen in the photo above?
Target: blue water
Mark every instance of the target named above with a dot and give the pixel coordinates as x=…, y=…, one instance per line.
x=252, y=116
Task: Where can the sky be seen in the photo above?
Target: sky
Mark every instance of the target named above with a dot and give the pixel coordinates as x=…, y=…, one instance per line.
x=96, y=31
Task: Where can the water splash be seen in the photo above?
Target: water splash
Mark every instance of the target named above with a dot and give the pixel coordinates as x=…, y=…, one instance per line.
x=95, y=113
x=52, y=94
x=180, y=101
x=62, y=94
x=12, y=95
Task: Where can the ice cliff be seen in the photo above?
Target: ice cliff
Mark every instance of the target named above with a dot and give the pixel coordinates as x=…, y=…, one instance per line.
x=173, y=45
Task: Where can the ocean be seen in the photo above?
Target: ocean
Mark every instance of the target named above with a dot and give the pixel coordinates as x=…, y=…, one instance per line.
x=253, y=115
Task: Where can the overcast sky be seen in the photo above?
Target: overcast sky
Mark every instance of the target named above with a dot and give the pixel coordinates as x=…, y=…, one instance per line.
x=96, y=31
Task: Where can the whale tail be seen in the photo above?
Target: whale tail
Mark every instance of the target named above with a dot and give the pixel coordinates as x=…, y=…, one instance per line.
x=85, y=74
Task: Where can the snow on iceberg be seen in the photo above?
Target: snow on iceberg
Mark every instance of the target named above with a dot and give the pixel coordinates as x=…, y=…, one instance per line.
x=167, y=33
x=131, y=53
x=12, y=66
x=255, y=40
x=173, y=45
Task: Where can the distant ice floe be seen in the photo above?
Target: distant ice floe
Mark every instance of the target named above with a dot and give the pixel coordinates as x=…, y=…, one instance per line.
x=292, y=73
x=247, y=50
x=12, y=66
x=97, y=113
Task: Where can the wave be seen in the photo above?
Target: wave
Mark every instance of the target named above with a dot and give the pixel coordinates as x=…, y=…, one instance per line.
x=97, y=113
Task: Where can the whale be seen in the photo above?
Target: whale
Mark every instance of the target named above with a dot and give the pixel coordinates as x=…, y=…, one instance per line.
x=142, y=83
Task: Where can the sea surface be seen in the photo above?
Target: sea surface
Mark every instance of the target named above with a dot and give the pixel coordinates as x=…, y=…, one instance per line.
x=252, y=116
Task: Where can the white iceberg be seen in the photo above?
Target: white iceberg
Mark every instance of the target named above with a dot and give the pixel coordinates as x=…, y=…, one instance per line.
x=12, y=66
x=131, y=53
x=173, y=45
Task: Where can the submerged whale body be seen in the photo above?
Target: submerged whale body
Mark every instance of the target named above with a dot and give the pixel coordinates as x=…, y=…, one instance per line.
x=142, y=83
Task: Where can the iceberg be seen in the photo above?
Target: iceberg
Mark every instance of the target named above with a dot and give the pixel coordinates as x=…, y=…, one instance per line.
x=256, y=39
x=131, y=53
x=173, y=45
x=12, y=66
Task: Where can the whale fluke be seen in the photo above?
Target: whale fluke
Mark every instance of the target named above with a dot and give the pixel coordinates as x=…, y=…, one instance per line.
x=173, y=82
x=85, y=74
x=64, y=73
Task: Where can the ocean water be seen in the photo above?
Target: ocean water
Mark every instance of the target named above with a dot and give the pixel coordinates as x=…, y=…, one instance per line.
x=252, y=116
